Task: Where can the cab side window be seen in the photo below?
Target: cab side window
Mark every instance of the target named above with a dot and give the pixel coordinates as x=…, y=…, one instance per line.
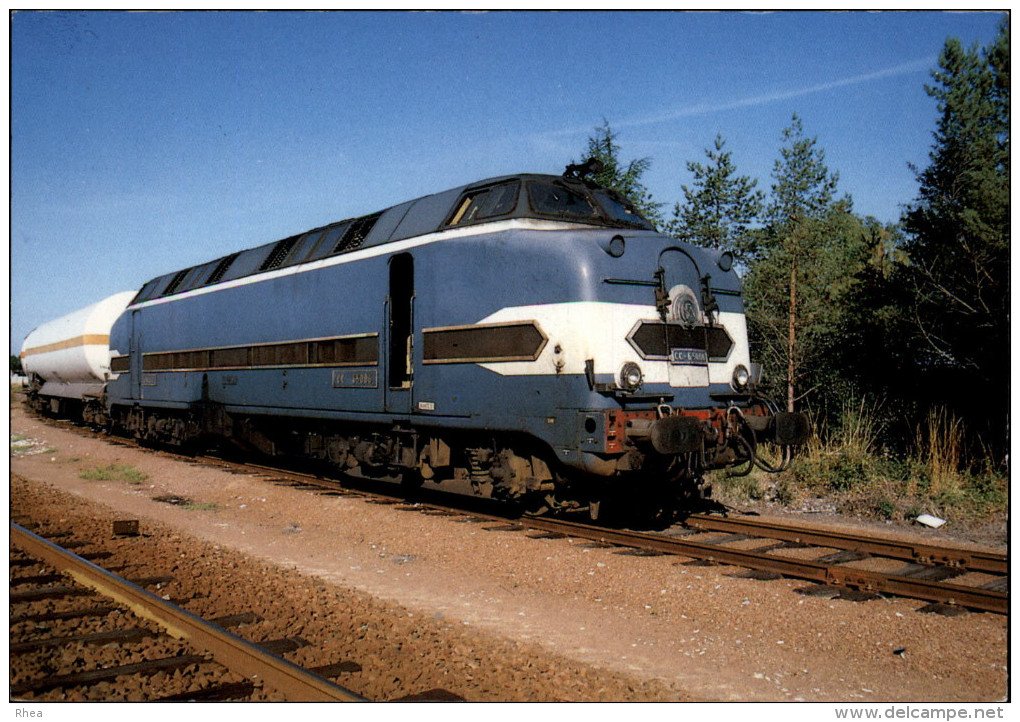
x=485, y=203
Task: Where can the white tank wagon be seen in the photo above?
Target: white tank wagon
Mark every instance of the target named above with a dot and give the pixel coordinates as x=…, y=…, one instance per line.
x=68, y=359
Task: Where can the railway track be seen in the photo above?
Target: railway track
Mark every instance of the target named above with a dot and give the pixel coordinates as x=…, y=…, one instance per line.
x=851, y=566
x=829, y=564
x=848, y=565
x=201, y=644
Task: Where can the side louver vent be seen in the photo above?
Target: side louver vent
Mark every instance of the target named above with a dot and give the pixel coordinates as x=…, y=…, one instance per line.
x=356, y=234
x=221, y=269
x=280, y=251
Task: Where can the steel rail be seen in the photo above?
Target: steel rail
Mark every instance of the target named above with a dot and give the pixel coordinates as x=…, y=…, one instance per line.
x=231, y=651
x=978, y=561
x=838, y=576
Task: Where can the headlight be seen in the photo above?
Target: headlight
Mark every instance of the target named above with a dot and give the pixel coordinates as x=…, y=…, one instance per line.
x=630, y=376
x=741, y=377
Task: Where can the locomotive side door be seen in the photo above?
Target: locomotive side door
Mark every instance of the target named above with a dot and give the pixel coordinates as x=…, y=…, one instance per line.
x=400, y=334
x=135, y=354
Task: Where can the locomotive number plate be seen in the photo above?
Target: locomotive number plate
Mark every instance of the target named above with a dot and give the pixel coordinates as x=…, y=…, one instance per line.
x=360, y=379
x=688, y=356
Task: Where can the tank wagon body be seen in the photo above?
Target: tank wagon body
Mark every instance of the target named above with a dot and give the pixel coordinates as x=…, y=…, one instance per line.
x=524, y=336
x=68, y=359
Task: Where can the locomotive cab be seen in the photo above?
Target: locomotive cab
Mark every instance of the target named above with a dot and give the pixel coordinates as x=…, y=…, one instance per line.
x=637, y=340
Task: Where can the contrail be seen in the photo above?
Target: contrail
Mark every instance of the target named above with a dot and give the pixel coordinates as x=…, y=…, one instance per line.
x=707, y=108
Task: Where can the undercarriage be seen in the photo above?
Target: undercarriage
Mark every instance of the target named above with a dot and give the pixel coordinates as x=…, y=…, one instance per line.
x=663, y=455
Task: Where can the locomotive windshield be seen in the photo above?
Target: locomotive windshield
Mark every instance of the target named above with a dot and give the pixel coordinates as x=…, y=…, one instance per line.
x=550, y=199
x=620, y=211
x=597, y=206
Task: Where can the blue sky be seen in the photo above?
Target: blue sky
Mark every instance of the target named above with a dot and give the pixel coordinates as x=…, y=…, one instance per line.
x=147, y=142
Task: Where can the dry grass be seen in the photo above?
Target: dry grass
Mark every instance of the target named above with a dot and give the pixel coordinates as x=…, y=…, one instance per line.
x=858, y=430
x=848, y=467
x=939, y=443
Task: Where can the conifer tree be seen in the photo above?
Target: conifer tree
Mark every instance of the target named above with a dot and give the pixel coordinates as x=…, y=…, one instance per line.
x=796, y=261
x=720, y=207
x=624, y=178
x=958, y=232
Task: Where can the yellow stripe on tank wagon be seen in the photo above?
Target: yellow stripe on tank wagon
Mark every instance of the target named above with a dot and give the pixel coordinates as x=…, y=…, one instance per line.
x=91, y=339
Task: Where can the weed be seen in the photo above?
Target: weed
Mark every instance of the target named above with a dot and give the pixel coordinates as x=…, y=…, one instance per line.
x=784, y=492
x=114, y=472
x=988, y=489
x=201, y=506
x=852, y=471
x=858, y=427
x=740, y=488
x=886, y=508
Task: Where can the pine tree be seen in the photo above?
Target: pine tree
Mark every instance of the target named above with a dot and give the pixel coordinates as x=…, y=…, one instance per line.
x=796, y=260
x=958, y=231
x=720, y=207
x=624, y=178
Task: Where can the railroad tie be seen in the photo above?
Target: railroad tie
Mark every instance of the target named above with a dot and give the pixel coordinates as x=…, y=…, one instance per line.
x=217, y=693
x=997, y=585
x=432, y=695
x=132, y=634
x=50, y=592
x=945, y=610
x=847, y=555
x=37, y=579
x=94, y=676
x=932, y=574
x=637, y=552
x=243, y=690
x=98, y=611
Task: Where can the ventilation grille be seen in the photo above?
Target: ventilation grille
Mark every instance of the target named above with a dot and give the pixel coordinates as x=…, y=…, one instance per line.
x=276, y=258
x=356, y=234
x=221, y=269
x=172, y=287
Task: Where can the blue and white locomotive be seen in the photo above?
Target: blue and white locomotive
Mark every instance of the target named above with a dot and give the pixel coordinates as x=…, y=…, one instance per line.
x=523, y=337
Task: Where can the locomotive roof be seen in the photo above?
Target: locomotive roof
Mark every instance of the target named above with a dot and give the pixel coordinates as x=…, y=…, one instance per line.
x=567, y=198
